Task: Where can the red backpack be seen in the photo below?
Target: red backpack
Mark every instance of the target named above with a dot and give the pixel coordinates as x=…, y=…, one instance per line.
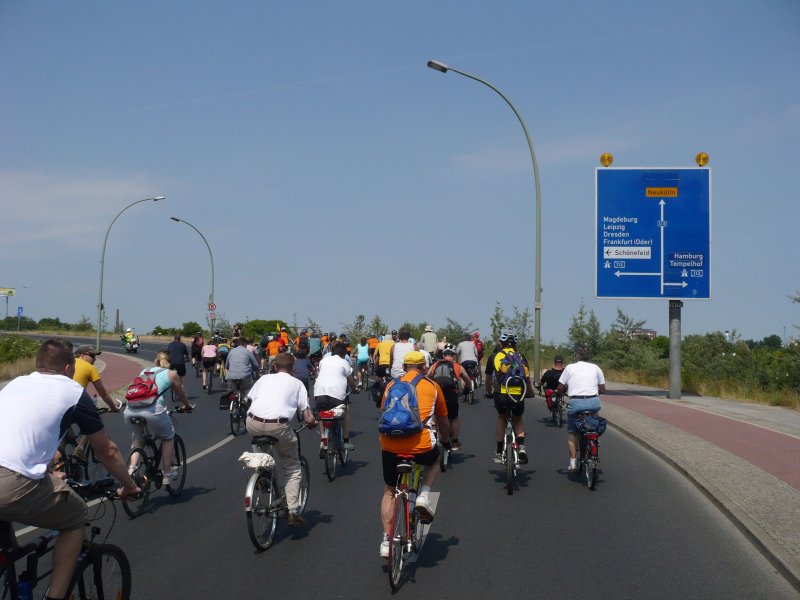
x=479, y=347
x=144, y=389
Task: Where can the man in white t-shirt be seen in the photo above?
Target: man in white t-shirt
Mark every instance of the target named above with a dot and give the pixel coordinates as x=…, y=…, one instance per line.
x=274, y=401
x=582, y=381
x=402, y=347
x=333, y=381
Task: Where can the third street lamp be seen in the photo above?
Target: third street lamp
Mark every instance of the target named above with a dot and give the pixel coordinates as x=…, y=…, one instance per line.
x=211, y=256
x=537, y=306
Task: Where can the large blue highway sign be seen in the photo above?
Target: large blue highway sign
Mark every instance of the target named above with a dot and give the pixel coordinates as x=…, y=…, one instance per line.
x=653, y=233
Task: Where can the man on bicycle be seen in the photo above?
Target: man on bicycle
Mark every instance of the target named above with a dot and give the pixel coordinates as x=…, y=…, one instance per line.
x=549, y=380
x=467, y=355
x=383, y=356
x=35, y=412
x=502, y=403
x=333, y=381
x=242, y=368
x=423, y=445
x=447, y=373
x=275, y=399
x=583, y=382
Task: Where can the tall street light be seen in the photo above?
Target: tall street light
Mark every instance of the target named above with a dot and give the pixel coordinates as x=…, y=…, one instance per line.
x=211, y=256
x=537, y=306
x=103, y=260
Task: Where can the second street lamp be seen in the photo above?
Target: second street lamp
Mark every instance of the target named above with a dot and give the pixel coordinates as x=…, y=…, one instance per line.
x=211, y=256
x=537, y=305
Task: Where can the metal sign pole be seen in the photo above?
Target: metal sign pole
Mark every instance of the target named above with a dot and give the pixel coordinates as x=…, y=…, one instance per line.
x=675, y=349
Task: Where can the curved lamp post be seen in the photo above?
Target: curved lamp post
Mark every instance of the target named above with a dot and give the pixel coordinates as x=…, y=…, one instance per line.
x=211, y=256
x=537, y=306
x=102, y=263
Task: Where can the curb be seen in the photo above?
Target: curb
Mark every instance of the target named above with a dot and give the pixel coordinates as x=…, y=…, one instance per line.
x=781, y=557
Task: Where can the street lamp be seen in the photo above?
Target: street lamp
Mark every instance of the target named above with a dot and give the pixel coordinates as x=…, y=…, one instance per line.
x=211, y=256
x=103, y=260
x=537, y=305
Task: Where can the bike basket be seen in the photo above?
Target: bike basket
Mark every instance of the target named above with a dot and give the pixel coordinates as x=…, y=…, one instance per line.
x=337, y=412
x=226, y=399
x=591, y=423
x=257, y=460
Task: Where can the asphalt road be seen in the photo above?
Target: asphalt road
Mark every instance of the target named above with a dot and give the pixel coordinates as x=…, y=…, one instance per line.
x=645, y=532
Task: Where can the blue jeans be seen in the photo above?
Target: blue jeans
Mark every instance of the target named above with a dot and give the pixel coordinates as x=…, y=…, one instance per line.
x=580, y=405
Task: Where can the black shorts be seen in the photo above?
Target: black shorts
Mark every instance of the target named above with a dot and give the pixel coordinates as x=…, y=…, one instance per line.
x=501, y=403
x=326, y=402
x=209, y=363
x=179, y=367
x=451, y=400
x=390, y=462
x=382, y=370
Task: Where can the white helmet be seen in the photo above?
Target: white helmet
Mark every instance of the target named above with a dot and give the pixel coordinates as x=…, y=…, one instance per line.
x=128, y=329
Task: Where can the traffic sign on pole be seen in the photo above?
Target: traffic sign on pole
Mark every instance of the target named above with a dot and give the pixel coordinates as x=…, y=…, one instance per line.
x=19, y=311
x=212, y=316
x=653, y=233
x=212, y=306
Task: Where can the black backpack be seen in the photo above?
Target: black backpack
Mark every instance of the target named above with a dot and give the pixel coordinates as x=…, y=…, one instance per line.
x=302, y=343
x=444, y=373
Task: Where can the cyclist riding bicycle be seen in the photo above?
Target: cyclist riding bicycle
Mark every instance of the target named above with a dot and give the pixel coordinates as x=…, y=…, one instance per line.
x=333, y=381
x=157, y=415
x=467, y=354
x=362, y=359
x=422, y=446
x=196, y=348
x=242, y=368
x=448, y=373
x=210, y=356
x=383, y=356
x=508, y=345
x=549, y=379
x=582, y=381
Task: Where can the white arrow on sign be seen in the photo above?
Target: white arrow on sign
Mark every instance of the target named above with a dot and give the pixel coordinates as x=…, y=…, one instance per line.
x=681, y=284
x=621, y=273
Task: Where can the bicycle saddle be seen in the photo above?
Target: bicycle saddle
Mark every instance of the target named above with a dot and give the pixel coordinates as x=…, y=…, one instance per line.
x=263, y=440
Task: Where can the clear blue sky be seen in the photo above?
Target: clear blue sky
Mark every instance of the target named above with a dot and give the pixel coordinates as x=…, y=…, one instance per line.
x=334, y=174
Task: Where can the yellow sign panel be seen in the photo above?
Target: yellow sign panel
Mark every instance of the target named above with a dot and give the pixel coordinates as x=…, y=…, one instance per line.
x=7, y=292
x=661, y=192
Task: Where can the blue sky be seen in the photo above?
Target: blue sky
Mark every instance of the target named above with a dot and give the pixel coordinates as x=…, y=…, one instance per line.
x=334, y=174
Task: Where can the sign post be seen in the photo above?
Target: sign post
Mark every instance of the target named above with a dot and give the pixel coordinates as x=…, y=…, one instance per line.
x=7, y=292
x=19, y=316
x=653, y=240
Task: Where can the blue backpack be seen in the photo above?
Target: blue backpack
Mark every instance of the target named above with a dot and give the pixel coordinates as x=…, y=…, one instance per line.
x=399, y=414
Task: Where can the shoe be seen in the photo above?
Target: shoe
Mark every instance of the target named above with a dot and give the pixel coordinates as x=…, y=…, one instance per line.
x=384, y=548
x=456, y=446
x=297, y=520
x=424, y=508
x=131, y=469
x=323, y=451
x=573, y=465
x=522, y=454
x=171, y=477
x=498, y=458
x=80, y=454
x=204, y=386
x=349, y=447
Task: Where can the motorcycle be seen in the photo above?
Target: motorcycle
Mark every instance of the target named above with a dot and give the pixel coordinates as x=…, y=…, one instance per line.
x=131, y=346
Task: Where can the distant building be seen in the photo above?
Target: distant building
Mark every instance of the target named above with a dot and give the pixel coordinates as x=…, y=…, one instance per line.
x=650, y=334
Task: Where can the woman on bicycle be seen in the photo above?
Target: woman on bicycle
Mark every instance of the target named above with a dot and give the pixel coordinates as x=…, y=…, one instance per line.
x=583, y=382
x=361, y=355
x=156, y=415
x=197, y=348
x=210, y=356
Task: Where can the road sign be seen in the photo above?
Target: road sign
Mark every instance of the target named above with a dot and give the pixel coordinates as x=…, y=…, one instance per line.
x=7, y=292
x=19, y=311
x=653, y=233
x=212, y=306
x=212, y=316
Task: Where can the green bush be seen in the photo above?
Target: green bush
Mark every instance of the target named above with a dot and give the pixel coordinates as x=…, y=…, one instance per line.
x=14, y=347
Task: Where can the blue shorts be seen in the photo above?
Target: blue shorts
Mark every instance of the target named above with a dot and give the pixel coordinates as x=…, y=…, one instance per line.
x=580, y=405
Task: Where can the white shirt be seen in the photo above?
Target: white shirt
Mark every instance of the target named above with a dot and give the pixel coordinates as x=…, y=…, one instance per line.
x=332, y=378
x=582, y=379
x=400, y=350
x=466, y=350
x=277, y=396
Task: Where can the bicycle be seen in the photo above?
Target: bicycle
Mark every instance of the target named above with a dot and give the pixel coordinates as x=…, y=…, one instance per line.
x=364, y=385
x=590, y=427
x=474, y=372
x=210, y=378
x=78, y=461
x=237, y=411
x=405, y=537
x=145, y=466
x=510, y=455
x=102, y=571
x=333, y=449
x=263, y=502
x=557, y=409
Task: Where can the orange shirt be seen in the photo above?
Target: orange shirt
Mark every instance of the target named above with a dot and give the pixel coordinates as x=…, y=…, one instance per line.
x=430, y=399
x=274, y=347
x=324, y=340
x=285, y=337
x=372, y=342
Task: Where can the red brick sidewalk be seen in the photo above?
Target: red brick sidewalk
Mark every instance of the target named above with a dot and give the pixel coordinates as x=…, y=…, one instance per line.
x=119, y=370
x=772, y=451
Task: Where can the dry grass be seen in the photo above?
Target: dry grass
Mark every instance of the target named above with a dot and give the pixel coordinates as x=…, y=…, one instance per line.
x=740, y=392
x=23, y=366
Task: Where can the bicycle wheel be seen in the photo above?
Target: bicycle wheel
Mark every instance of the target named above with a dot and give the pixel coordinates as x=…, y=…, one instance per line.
x=342, y=451
x=235, y=413
x=510, y=466
x=94, y=468
x=305, y=483
x=74, y=468
x=560, y=415
x=590, y=466
x=397, y=542
x=179, y=463
x=210, y=379
x=103, y=572
x=262, y=518
x=331, y=452
x=416, y=526
x=141, y=476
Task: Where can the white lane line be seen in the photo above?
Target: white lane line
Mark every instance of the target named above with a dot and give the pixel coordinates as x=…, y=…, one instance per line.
x=199, y=455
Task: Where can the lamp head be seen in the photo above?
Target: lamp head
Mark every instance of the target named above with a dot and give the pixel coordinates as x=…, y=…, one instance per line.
x=438, y=66
x=157, y=198
x=176, y=219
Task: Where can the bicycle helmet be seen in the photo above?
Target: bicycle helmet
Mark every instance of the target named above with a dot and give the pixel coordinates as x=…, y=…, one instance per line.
x=449, y=349
x=508, y=338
